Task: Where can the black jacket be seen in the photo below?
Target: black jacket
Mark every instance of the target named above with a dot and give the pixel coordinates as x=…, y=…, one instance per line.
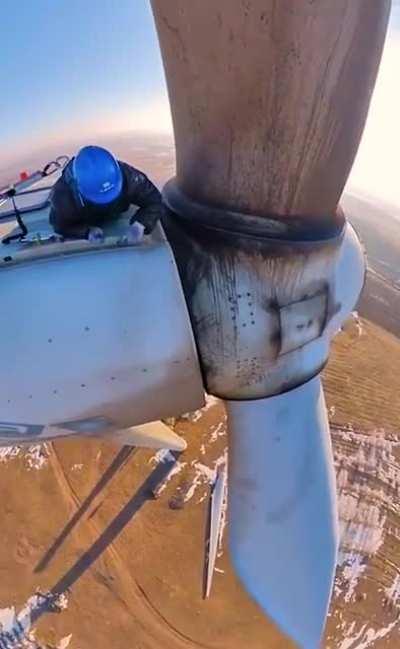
x=72, y=219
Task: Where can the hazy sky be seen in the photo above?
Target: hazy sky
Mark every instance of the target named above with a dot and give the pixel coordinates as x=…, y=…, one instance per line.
x=377, y=169
x=73, y=68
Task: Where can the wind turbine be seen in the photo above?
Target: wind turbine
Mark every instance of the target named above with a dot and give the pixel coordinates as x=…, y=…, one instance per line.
x=269, y=101
x=256, y=273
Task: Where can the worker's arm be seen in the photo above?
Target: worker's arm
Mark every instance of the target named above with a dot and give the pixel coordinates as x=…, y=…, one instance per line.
x=65, y=218
x=143, y=193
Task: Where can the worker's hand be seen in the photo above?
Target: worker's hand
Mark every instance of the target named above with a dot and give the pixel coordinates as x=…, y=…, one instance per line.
x=150, y=216
x=95, y=234
x=135, y=233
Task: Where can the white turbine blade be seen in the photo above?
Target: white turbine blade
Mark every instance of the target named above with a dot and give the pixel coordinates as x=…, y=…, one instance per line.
x=283, y=529
x=217, y=501
x=153, y=435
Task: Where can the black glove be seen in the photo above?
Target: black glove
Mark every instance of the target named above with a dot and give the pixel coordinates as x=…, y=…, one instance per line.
x=149, y=216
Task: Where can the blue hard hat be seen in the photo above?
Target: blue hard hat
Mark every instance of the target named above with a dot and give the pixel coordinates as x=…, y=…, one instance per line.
x=97, y=175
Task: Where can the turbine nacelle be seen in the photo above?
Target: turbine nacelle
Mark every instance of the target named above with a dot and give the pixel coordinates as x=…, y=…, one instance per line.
x=95, y=340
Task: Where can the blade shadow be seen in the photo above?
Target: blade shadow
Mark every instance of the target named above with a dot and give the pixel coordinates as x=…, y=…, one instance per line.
x=119, y=461
x=84, y=563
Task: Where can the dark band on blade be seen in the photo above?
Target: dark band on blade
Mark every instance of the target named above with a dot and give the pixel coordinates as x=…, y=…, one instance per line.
x=294, y=228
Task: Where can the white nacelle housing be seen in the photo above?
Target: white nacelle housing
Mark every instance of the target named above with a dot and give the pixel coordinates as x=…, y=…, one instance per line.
x=93, y=338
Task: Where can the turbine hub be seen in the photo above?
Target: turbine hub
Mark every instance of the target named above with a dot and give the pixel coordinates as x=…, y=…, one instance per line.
x=265, y=295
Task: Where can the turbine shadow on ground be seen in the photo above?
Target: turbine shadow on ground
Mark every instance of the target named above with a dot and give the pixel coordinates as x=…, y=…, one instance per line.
x=119, y=461
x=109, y=535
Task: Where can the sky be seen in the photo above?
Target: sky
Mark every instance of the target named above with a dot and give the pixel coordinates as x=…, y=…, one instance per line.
x=376, y=171
x=77, y=68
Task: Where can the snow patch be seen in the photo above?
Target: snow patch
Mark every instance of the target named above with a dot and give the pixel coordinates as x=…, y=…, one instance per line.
x=163, y=456
x=195, y=415
x=354, y=566
x=357, y=320
x=65, y=642
x=60, y=603
x=348, y=643
x=15, y=629
x=361, y=524
x=35, y=456
x=367, y=478
x=218, y=431
x=204, y=475
x=393, y=593
x=175, y=469
x=210, y=402
x=366, y=637
x=368, y=481
x=9, y=453
x=7, y=616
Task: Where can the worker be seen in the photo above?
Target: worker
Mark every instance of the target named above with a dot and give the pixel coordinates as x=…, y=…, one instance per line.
x=95, y=188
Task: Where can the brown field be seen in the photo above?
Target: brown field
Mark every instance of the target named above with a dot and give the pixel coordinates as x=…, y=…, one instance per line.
x=362, y=379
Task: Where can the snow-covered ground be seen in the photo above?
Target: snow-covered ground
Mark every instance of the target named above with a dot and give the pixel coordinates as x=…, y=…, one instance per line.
x=16, y=631
x=368, y=481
